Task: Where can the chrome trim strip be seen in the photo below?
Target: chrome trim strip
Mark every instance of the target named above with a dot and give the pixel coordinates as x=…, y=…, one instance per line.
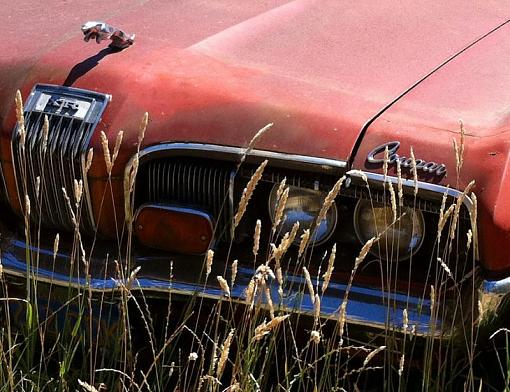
x=440, y=190
x=499, y=287
x=234, y=154
x=237, y=152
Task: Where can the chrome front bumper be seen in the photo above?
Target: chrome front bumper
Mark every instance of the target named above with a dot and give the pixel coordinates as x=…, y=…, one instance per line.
x=160, y=274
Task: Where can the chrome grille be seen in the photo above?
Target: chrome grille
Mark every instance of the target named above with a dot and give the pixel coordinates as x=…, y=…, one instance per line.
x=73, y=115
x=206, y=185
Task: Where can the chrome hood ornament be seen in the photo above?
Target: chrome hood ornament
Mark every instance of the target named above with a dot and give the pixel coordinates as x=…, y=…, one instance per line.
x=101, y=31
x=376, y=156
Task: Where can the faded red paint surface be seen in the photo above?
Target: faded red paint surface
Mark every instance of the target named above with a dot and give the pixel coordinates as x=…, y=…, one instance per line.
x=217, y=71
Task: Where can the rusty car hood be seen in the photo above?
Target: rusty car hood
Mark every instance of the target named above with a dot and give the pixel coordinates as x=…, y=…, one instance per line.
x=216, y=72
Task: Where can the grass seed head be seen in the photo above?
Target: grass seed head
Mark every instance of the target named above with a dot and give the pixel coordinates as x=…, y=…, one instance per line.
x=315, y=336
x=400, y=184
x=233, y=273
x=414, y=170
x=106, y=152
x=55, y=245
x=208, y=262
x=329, y=271
x=224, y=353
x=329, y=200
x=364, y=251
x=224, y=285
x=305, y=237
x=265, y=328
x=372, y=354
x=316, y=308
x=256, y=138
x=256, y=237
x=280, y=208
x=116, y=148
x=247, y=193
x=309, y=284
x=88, y=161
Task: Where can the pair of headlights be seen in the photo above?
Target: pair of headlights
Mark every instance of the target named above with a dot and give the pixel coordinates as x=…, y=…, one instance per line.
x=398, y=240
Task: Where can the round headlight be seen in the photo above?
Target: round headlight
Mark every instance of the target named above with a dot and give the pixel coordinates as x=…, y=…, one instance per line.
x=304, y=205
x=398, y=241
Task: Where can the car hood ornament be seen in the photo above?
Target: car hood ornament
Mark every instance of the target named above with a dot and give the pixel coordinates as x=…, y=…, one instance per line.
x=101, y=31
x=376, y=156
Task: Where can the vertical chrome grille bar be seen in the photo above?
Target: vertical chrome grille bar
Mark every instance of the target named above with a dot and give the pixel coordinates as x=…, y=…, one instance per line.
x=70, y=130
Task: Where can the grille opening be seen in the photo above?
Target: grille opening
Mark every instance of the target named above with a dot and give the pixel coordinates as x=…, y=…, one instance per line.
x=204, y=183
x=190, y=182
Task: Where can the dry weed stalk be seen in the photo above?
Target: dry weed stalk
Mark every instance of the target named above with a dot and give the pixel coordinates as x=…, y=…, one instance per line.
x=265, y=328
x=401, y=365
x=405, y=320
x=393, y=201
x=247, y=193
x=459, y=149
x=250, y=291
x=458, y=206
x=329, y=270
x=315, y=336
x=20, y=117
x=316, y=309
x=432, y=299
x=225, y=350
x=224, y=285
x=399, y=184
x=372, y=354
x=328, y=201
x=445, y=267
x=88, y=161
x=281, y=188
x=78, y=191
x=68, y=202
x=106, y=153
x=256, y=237
x=414, y=170
x=208, y=262
x=255, y=139
x=309, y=284
x=55, y=245
x=280, y=207
x=269, y=299
x=304, y=242
x=116, y=148
x=343, y=307
x=233, y=273
x=469, y=236
x=443, y=218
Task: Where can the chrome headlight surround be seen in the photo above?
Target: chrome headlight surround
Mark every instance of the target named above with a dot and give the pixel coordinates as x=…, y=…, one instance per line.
x=413, y=221
x=305, y=205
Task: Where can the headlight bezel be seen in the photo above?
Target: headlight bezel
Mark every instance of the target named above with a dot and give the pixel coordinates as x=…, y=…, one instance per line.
x=374, y=251
x=321, y=195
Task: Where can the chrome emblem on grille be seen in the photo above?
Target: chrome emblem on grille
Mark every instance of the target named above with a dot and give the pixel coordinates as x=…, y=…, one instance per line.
x=376, y=156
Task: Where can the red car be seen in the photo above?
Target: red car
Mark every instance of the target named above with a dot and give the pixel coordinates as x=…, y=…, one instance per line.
x=341, y=82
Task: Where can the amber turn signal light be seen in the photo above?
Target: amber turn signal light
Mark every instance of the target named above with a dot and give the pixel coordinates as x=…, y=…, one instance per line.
x=173, y=229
